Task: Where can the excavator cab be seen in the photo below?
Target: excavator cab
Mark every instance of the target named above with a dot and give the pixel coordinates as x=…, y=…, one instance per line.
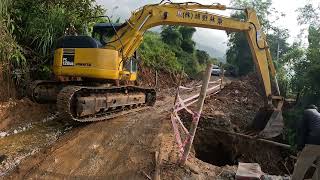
x=103, y=32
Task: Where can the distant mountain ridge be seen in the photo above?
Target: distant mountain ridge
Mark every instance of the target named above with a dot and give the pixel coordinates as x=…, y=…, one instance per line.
x=213, y=52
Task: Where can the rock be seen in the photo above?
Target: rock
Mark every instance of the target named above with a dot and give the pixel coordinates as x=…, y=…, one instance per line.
x=2, y=158
x=15, y=131
x=3, y=134
x=193, y=168
x=249, y=171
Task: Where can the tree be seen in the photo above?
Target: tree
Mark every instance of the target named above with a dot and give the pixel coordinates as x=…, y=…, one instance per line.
x=171, y=35
x=155, y=53
x=31, y=28
x=277, y=40
x=179, y=39
x=311, y=74
x=304, y=64
x=305, y=79
x=202, y=56
x=309, y=15
x=238, y=53
x=187, y=44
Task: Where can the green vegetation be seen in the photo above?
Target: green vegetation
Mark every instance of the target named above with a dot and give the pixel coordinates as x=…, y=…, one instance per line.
x=173, y=50
x=239, y=54
x=305, y=63
x=298, y=68
x=28, y=30
x=155, y=53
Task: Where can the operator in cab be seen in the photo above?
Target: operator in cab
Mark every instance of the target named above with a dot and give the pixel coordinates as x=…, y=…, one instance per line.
x=308, y=141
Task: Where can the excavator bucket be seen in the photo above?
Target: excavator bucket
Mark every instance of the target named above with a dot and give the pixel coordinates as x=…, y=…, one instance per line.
x=268, y=123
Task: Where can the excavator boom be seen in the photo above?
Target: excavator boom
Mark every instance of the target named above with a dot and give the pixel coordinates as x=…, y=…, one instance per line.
x=130, y=36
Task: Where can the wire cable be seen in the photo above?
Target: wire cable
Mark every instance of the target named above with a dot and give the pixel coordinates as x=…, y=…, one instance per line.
x=117, y=36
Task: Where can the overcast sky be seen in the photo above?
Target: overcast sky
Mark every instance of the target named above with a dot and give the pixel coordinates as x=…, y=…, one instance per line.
x=208, y=37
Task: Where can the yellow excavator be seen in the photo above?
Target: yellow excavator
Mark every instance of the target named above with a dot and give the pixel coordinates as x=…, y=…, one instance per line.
x=94, y=76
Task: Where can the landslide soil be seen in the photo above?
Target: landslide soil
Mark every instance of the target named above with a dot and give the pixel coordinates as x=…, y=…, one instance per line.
x=14, y=112
x=232, y=110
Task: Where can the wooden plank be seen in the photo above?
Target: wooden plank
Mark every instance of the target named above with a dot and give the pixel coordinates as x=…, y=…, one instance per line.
x=194, y=124
x=286, y=146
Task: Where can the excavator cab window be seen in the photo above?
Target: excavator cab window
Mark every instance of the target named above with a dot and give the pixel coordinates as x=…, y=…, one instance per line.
x=131, y=65
x=103, y=32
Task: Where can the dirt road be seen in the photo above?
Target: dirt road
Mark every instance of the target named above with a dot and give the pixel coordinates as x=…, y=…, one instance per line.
x=115, y=149
x=120, y=148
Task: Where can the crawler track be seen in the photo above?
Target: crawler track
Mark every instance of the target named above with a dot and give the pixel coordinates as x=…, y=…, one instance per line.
x=65, y=95
x=66, y=102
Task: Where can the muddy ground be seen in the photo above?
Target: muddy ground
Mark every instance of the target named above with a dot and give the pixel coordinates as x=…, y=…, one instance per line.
x=124, y=147
x=25, y=129
x=232, y=110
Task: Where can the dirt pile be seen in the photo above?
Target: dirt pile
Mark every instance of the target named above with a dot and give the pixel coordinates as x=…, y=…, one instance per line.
x=166, y=82
x=18, y=112
x=232, y=110
x=237, y=103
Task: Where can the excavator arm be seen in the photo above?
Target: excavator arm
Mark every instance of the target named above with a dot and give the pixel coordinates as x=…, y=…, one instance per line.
x=130, y=36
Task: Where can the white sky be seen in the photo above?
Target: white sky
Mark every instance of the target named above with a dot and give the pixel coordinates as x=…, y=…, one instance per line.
x=214, y=38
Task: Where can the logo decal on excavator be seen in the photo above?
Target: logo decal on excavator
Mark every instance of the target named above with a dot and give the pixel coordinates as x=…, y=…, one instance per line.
x=199, y=16
x=212, y=18
x=220, y=20
x=68, y=57
x=68, y=60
